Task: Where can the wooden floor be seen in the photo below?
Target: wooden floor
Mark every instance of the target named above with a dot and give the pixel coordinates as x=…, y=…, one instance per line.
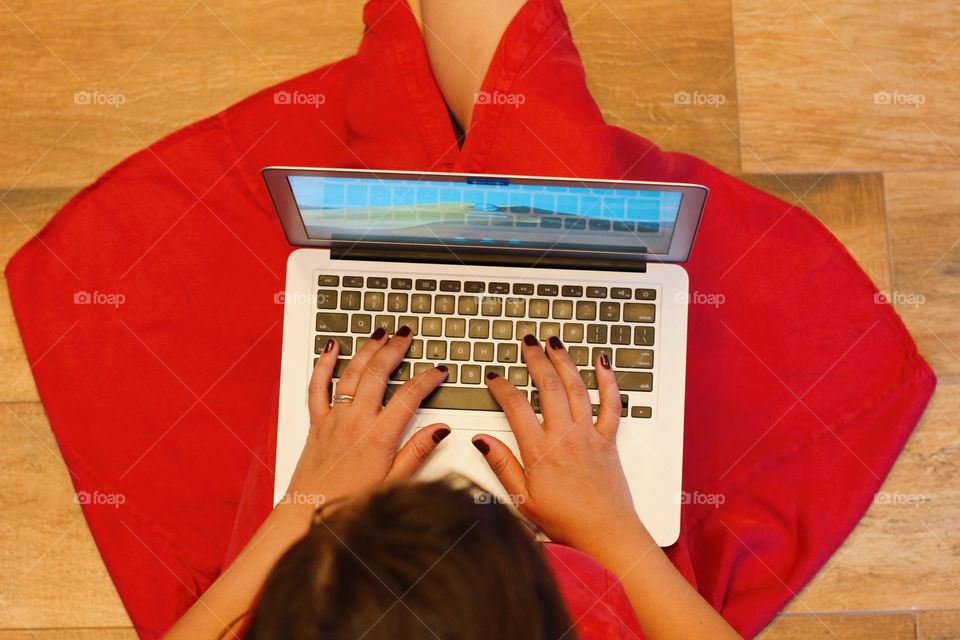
x=848, y=107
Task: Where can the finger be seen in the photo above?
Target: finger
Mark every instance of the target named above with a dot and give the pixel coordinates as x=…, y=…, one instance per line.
x=505, y=465
x=417, y=449
x=523, y=420
x=580, y=408
x=553, y=397
x=373, y=382
x=318, y=391
x=351, y=376
x=608, y=419
x=408, y=397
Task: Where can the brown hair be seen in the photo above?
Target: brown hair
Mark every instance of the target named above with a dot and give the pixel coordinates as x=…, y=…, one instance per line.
x=413, y=560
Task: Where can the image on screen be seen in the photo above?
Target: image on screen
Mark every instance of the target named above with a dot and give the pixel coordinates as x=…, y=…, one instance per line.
x=478, y=212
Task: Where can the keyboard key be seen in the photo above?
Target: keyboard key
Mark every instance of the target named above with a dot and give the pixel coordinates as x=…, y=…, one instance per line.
x=522, y=288
x=621, y=293
x=491, y=306
x=471, y=286
x=597, y=333
x=361, y=323
x=361, y=340
x=326, y=299
x=572, y=332
x=645, y=294
x=597, y=351
x=436, y=349
x=502, y=329
x=328, y=281
x=410, y=321
x=460, y=350
x=444, y=397
x=525, y=328
x=643, y=336
x=483, y=351
x=620, y=334
x=499, y=287
x=420, y=367
x=451, y=372
x=426, y=285
x=431, y=326
x=507, y=352
x=468, y=305
x=572, y=291
x=479, y=329
x=579, y=355
x=586, y=310
x=375, y=282
x=610, y=311
x=535, y=400
x=420, y=303
x=624, y=402
x=599, y=224
x=539, y=308
x=350, y=300
x=387, y=322
x=518, y=376
x=331, y=322
x=402, y=372
x=596, y=292
x=470, y=374
x=548, y=329
x=547, y=290
x=641, y=412
x=639, y=312
x=449, y=285
x=373, y=301
x=516, y=308
x=494, y=368
x=340, y=367
x=397, y=302
x=444, y=304
x=353, y=281
x=455, y=328
x=346, y=344
x=634, y=359
x=589, y=378
x=415, y=350
x=635, y=381
x=562, y=309
x=402, y=284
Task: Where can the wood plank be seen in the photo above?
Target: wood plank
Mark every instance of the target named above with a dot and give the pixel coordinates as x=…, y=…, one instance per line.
x=924, y=217
x=902, y=555
x=640, y=54
x=850, y=205
x=808, y=73
x=841, y=626
x=69, y=634
x=50, y=572
x=938, y=625
x=171, y=63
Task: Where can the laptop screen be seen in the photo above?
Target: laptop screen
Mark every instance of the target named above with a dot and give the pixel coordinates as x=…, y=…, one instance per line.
x=487, y=212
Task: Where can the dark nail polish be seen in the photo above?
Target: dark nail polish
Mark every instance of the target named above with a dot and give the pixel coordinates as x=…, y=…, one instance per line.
x=481, y=446
x=492, y=375
x=555, y=343
x=329, y=345
x=605, y=361
x=440, y=434
x=530, y=340
x=379, y=333
x=442, y=367
x=403, y=331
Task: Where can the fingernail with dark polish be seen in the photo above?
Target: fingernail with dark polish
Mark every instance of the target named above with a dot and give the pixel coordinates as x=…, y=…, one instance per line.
x=329, y=345
x=442, y=367
x=605, y=360
x=403, y=331
x=440, y=434
x=481, y=446
x=555, y=343
x=530, y=340
x=492, y=375
x=379, y=333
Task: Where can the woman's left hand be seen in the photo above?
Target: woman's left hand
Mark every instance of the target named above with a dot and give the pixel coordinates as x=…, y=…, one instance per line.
x=351, y=447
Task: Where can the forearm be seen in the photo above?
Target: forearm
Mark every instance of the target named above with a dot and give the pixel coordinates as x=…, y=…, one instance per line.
x=665, y=603
x=234, y=591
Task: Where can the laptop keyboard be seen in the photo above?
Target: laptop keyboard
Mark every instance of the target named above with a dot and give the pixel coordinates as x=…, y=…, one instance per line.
x=475, y=326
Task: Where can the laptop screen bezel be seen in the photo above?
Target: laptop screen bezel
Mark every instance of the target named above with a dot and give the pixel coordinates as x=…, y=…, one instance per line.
x=692, y=200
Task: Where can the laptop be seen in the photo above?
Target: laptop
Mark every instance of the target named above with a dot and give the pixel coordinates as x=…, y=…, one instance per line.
x=472, y=264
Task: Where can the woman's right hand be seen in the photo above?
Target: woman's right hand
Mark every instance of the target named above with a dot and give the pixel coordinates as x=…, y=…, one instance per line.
x=571, y=483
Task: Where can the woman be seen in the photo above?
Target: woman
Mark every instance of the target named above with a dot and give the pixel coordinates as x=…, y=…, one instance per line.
x=388, y=558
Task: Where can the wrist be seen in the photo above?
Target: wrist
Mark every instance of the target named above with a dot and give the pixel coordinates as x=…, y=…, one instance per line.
x=623, y=547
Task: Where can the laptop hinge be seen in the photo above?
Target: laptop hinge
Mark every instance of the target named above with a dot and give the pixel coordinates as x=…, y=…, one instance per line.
x=489, y=258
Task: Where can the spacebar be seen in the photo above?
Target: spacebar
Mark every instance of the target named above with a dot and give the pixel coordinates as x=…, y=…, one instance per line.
x=477, y=399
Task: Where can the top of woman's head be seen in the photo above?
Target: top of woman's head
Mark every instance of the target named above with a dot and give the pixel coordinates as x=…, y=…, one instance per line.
x=413, y=560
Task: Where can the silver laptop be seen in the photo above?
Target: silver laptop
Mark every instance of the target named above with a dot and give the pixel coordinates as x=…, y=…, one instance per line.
x=473, y=263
